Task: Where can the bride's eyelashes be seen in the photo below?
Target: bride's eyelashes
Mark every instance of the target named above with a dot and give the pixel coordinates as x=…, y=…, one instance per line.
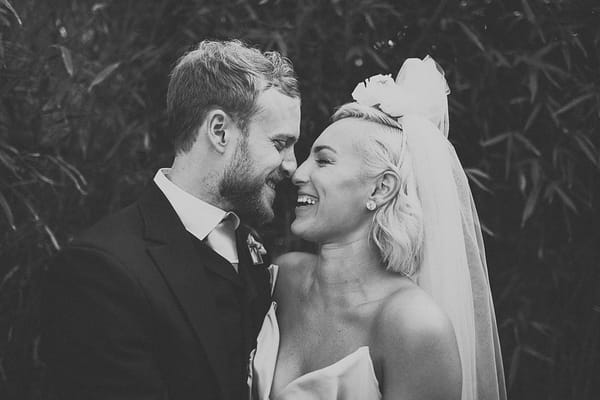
x=322, y=161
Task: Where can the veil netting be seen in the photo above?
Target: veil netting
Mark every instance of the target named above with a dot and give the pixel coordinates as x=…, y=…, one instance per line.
x=453, y=267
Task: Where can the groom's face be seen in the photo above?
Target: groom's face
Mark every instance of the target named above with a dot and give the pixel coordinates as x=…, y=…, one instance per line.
x=264, y=157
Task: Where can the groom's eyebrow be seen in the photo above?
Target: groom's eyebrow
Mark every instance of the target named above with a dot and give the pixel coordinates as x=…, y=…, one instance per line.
x=288, y=137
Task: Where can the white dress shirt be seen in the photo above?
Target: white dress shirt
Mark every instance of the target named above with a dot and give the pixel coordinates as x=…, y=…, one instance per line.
x=203, y=220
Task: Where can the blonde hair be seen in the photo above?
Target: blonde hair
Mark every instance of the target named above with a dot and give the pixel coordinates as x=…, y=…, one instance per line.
x=397, y=226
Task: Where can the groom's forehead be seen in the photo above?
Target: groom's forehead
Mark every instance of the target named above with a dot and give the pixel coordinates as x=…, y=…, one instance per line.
x=277, y=115
x=273, y=104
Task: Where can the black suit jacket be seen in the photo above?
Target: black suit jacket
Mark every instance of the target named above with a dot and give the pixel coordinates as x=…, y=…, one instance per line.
x=129, y=312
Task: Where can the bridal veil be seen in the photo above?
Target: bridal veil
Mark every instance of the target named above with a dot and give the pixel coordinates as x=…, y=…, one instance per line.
x=453, y=268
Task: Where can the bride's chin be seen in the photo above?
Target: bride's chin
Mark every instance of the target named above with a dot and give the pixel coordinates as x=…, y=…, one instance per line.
x=294, y=227
x=300, y=231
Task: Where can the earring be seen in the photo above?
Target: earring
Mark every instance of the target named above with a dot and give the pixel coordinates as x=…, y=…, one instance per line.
x=371, y=205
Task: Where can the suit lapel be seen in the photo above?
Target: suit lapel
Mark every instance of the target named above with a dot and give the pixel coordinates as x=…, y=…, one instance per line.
x=183, y=268
x=256, y=279
x=245, y=263
x=217, y=264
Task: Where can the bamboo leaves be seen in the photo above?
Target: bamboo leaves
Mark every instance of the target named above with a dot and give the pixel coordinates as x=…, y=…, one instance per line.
x=471, y=36
x=7, y=212
x=6, y=4
x=103, y=75
x=574, y=103
x=66, y=58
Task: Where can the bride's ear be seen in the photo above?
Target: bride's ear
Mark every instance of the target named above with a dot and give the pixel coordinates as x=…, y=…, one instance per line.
x=386, y=188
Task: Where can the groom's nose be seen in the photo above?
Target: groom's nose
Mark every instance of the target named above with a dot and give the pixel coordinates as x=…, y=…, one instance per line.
x=289, y=164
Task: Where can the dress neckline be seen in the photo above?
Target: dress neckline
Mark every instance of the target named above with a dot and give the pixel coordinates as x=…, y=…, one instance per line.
x=264, y=358
x=361, y=352
x=269, y=337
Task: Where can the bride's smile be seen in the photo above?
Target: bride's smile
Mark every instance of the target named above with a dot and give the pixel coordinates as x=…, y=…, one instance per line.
x=333, y=187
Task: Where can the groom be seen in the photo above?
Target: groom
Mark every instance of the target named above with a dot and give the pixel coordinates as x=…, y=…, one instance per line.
x=164, y=299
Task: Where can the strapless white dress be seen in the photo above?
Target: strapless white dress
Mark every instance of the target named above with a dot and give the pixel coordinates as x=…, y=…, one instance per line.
x=351, y=378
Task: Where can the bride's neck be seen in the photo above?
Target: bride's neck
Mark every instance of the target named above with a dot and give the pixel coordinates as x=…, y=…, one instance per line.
x=346, y=270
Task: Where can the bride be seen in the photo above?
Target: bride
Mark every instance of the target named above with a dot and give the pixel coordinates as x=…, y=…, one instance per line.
x=396, y=303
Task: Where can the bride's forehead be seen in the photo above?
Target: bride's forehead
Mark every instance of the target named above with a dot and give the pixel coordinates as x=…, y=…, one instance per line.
x=345, y=132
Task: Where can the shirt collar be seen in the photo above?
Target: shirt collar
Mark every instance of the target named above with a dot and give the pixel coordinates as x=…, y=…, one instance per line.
x=198, y=217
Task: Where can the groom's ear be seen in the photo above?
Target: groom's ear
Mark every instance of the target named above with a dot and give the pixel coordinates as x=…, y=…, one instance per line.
x=219, y=126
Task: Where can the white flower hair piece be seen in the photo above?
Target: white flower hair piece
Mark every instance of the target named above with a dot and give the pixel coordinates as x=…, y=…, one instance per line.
x=382, y=92
x=420, y=88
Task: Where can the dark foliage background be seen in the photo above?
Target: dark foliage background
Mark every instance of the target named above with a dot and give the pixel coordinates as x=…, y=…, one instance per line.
x=82, y=129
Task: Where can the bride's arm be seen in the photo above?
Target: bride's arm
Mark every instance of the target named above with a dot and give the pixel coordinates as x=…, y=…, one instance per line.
x=419, y=355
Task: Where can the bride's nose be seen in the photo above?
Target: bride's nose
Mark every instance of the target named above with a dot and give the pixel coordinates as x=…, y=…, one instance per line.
x=300, y=176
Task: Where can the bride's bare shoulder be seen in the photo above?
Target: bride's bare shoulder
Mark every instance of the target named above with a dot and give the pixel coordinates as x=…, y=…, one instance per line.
x=409, y=313
x=415, y=340
x=294, y=269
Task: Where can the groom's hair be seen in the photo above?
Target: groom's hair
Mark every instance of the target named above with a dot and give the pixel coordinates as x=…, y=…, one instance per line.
x=225, y=74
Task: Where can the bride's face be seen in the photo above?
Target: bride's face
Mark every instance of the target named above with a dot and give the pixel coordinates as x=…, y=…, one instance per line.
x=332, y=186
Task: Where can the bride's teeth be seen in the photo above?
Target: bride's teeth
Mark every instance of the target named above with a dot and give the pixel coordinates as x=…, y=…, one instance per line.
x=306, y=200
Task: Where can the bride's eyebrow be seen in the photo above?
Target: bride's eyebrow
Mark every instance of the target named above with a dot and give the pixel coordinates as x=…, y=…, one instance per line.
x=323, y=147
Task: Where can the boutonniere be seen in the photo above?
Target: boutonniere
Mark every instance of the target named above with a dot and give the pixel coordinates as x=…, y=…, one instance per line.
x=256, y=249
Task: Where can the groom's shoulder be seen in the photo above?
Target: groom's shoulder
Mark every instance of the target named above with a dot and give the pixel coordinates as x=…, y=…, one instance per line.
x=117, y=230
x=117, y=237
x=104, y=251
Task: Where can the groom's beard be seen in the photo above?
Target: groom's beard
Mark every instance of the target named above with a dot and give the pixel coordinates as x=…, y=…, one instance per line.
x=245, y=191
